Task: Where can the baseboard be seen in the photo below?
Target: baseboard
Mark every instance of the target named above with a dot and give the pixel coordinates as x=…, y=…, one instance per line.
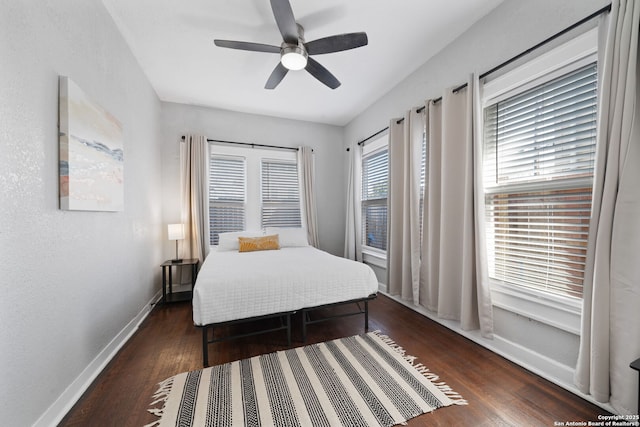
x=56, y=412
x=547, y=368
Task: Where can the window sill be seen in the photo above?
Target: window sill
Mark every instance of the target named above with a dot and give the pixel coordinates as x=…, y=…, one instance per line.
x=561, y=313
x=374, y=257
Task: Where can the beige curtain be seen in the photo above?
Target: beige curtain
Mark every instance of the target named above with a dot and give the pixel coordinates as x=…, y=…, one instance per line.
x=194, y=177
x=307, y=180
x=480, y=292
x=405, y=159
x=610, y=315
x=452, y=283
x=353, y=221
x=430, y=245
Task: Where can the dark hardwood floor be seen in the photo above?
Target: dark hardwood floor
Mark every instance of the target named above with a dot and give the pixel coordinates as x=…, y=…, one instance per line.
x=499, y=392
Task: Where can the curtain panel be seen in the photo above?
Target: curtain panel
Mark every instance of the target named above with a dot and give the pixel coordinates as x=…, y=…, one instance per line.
x=405, y=156
x=456, y=263
x=481, y=290
x=430, y=245
x=353, y=221
x=307, y=180
x=453, y=276
x=610, y=317
x=194, y=177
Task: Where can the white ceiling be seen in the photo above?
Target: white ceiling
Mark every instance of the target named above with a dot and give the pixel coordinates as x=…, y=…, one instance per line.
x=173, y=42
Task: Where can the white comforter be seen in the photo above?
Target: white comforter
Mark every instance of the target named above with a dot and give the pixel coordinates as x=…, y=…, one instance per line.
x=233, y=285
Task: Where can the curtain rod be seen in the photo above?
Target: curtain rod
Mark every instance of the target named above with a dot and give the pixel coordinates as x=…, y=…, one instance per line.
x=250, y=144
x=595, y=14
x=372, y=136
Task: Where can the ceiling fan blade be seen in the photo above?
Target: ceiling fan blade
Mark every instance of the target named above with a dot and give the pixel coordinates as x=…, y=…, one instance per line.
x=336, y=43
x=286, y=21
x=254, y=47
x=276, y=76
x=319, y=72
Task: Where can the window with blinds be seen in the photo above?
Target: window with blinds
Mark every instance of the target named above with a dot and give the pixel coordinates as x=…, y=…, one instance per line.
x=375, y=187
x=280, y=194
x=539, y=153
x=227, y=190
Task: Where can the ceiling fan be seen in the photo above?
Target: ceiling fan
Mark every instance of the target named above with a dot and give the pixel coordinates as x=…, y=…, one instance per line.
x=295, y=51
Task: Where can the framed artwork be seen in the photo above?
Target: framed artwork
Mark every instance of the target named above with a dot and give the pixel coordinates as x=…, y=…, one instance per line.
x=91, y=153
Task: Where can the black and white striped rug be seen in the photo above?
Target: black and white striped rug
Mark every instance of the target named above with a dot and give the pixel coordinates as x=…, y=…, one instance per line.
x=364, y=380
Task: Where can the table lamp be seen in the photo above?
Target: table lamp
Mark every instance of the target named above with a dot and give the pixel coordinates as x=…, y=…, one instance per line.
x=176, y=232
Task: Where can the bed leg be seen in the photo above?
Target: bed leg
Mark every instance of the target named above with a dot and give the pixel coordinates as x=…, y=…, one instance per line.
x=205, y=347
x=304, y=326
x=366, y=316
x=289, y=330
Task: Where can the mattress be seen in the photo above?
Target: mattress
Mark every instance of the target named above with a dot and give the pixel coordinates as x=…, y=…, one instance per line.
x=235, y=285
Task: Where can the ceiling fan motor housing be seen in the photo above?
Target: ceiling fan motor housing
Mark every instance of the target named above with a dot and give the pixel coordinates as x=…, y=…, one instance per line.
x=293, y=56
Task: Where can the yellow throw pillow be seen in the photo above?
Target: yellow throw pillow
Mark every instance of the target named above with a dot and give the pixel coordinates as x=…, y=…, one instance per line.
x=264, y=243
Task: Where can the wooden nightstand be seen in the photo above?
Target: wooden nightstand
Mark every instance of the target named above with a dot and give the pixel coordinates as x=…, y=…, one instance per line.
x=166, y=271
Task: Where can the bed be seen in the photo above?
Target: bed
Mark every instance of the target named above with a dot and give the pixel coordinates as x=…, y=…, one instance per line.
x=236, y=287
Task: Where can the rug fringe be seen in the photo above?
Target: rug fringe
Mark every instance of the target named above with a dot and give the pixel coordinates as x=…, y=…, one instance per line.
x=160, y=396
x=456, y=398
x=391, y=343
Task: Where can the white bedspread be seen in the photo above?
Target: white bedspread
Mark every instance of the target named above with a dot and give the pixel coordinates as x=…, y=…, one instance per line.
x=233, y=285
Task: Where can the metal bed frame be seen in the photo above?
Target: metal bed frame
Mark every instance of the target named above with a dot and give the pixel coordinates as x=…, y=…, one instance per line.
x=306, y=318
x=285, y=323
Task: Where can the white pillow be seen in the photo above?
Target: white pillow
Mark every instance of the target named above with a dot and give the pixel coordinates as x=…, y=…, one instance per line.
x=229, y=241
x=290, y=237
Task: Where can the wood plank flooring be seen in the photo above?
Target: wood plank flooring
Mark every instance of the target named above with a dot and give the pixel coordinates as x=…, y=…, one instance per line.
x=499, y=392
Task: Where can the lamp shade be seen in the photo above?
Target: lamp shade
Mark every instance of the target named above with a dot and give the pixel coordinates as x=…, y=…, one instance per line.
x=175, y=231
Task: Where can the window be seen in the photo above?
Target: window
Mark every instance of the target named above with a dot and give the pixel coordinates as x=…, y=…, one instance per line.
x=375, y=187
x=227, y=188
x=539, y=152
x=252, y=188
x=280, y=194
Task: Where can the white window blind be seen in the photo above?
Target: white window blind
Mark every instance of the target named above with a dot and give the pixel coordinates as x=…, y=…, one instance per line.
x=280, y=194
x=539, y=153
x=375, y=186
x=227, y=189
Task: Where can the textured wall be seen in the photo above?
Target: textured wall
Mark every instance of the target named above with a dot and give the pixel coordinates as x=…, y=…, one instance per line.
x=326, y=140
x=71, y=281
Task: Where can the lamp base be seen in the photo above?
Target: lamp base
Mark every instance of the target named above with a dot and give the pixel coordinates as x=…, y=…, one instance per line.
x=176, y=260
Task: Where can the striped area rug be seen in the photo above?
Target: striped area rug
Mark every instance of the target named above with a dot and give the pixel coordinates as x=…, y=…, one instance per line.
x=364, y=380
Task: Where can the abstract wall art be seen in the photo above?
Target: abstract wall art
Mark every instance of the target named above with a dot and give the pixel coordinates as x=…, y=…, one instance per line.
x=91, y=153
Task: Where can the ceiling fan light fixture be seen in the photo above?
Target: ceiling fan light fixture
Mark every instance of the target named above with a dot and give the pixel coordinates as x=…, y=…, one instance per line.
x=294, y=57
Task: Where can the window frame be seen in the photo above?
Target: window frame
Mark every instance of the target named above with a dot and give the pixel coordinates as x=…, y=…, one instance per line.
x=280, y=204
x=211, y=203
x=562, y=312
x=253, y=195
x=374, y=255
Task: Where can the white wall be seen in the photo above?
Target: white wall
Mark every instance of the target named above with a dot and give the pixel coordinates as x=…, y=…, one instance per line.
x=326, y=141
x=72, y=281
x=511, y=28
